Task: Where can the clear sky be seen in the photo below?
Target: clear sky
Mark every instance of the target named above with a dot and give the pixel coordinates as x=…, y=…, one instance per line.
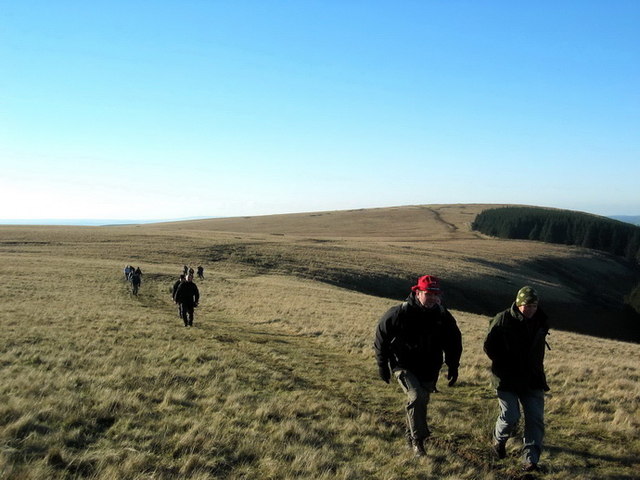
x=168, y=109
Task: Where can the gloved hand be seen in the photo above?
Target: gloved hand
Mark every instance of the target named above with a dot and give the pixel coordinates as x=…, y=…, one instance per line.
x=452, y=376
x=384, y=372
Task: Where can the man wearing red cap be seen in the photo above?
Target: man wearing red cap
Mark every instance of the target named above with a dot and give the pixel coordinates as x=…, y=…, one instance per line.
x=410, y=341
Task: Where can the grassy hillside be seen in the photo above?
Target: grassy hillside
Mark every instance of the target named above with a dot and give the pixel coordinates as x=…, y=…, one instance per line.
x=277, y=379
x=379, y=251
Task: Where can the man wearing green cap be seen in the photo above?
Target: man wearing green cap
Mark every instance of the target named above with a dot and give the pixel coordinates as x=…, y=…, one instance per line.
x=516, y=346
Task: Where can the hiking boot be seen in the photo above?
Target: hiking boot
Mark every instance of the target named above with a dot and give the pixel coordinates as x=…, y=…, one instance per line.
x=418, y=448
x=530, y=467
x=499, y=449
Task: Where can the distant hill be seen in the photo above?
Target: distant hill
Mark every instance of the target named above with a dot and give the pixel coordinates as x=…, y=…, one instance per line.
x=382, y=251
x=633, y=219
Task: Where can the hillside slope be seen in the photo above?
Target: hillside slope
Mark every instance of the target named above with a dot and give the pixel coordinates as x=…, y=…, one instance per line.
x=276, y=379
x=419, y=222
x=381, y=251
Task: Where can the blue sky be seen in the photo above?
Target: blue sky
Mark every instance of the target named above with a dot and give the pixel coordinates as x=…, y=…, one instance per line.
x=170, y=109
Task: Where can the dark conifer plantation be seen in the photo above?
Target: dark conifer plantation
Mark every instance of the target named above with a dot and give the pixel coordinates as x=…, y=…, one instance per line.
x=562, y=226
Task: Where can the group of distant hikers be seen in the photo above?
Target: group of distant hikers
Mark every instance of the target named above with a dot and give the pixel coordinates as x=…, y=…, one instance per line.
x=184, y=291
x=413, y=338
x=134, y=277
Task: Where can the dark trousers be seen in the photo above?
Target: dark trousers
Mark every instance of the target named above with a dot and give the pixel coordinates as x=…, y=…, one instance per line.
x=418, y=393
x=186, y=312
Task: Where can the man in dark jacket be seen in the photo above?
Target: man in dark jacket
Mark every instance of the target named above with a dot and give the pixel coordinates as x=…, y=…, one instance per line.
x=516, y=346
x=410, y=341
x=187, y=297
x=136, y=280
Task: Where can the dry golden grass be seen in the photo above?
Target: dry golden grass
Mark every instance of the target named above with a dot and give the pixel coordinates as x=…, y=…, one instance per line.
x=277, y=379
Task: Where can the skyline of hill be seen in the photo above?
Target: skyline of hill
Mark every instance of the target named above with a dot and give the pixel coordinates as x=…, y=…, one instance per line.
x=633, y=219
x=98, y=222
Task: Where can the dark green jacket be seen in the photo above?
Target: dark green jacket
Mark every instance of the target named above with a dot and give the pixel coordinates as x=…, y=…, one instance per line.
x=516, y=347
x=413, y=338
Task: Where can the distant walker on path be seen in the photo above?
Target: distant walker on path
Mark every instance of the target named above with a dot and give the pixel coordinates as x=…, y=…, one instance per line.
x=187, y=297
x=136, y=280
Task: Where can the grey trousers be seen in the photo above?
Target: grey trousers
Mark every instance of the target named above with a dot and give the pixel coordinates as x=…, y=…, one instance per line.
x=418, y=393
x=532, y=403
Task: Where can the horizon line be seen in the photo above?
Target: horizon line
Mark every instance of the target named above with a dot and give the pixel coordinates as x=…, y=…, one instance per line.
x=93, y=222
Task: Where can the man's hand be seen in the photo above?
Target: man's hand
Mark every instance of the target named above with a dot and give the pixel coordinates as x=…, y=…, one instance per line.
x=452, y=376
x=384, y=372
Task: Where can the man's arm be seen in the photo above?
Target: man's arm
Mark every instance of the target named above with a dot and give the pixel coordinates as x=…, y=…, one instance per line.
x=178, y=294
x=381, y=344
x=453, y=350
x=493, y=343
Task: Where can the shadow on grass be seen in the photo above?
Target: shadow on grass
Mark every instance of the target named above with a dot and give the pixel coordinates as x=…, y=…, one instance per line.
x=89, y=432
x=627, y=461
x=573, y=307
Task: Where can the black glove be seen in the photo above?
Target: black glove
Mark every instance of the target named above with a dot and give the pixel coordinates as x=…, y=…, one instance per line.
x=452, y=376
x=384, y=372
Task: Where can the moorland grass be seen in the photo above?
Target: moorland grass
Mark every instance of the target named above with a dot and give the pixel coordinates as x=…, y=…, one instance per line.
x=276, y=379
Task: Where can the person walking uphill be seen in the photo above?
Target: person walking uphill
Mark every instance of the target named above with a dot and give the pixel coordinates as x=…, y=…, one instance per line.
x=516, y=344
x=410, y=341
x=187, y=297
x=136, y=280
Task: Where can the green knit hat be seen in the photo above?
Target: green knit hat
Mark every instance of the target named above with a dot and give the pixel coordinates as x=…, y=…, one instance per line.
x=526, y=295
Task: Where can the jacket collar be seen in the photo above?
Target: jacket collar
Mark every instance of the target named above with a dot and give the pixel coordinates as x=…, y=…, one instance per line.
x=517, y=314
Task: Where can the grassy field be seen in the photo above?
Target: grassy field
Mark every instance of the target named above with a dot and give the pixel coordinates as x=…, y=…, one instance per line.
x=277, y=379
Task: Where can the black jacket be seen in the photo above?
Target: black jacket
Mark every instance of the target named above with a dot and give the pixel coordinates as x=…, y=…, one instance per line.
x=187, y=293
x=413, y=338
x=516, y=347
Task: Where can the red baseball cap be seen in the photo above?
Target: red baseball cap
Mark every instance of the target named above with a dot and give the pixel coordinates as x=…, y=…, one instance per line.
x=428, y=283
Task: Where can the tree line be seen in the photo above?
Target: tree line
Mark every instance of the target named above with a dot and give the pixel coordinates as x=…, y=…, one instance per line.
x=561, y=226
